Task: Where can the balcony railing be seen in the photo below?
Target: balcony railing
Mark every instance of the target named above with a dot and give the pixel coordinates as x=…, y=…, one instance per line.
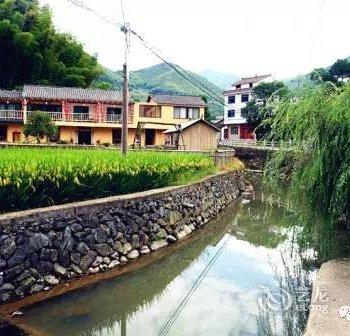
x=11, y=115
x=114, y=118
x=87, y=117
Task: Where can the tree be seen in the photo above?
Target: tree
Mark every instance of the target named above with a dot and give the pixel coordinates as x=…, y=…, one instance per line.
x=321, y=75
x=340, y=69
x=40, y=126
x=207, y=115
x=33, y=52
x=103, y=86
x=335, y=74
x=257, y=111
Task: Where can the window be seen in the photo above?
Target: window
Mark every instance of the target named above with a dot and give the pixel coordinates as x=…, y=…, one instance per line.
x=186, y=113
x=231, y=113
x=234, y=130
x=10, y=107
x=45, y=107
x=238, y=86
x=149, y=111
x=245, y=98
x=114, y=110
x=231, y=99
x=193, y=113
x=81, y=109
x=250, y=85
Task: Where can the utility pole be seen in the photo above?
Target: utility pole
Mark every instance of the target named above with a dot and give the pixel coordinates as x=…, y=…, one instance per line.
x=125, y=114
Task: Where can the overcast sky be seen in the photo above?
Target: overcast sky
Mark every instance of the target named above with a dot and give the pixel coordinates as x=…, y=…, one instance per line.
x=282, y=37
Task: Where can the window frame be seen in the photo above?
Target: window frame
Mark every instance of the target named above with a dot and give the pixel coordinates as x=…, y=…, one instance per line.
x=245, y=95
x=230, y=112
x=229, y=101
x=150, y=111
x=113, y=110
x=236, y=128
x=181, y=112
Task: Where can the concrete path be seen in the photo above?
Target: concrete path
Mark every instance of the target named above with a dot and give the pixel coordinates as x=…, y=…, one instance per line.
x=330, y=310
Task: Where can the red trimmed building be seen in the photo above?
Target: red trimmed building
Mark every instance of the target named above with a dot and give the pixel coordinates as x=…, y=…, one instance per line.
x=91, y=116
x=236, y=98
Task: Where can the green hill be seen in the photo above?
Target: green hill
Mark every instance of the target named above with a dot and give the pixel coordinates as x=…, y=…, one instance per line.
x=161, y=78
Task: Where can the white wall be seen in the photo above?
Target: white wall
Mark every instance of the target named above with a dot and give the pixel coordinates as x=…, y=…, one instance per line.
x=238, y=105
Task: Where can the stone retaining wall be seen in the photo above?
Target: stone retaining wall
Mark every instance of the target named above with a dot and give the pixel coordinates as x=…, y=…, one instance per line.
x=40, y=248
x=254, y=158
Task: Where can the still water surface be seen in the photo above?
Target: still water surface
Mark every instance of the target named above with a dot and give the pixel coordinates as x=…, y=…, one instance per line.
x=212, y=286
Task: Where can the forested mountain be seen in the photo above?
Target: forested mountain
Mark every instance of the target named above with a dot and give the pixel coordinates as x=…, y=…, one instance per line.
x=160, y=78
x=32, y=51
x=221, y=79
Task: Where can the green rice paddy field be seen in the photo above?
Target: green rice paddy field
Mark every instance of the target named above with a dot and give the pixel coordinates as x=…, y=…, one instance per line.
x=37, y=177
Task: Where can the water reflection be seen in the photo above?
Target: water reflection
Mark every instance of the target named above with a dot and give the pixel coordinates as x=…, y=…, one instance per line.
x=175, y=295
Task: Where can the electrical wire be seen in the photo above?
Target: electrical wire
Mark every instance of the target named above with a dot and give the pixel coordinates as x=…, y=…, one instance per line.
x=183, y=74
x=217, y=99
x=173, y=317
x=96, y=13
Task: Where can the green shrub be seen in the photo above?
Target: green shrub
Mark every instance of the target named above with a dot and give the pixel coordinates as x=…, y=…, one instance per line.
x=317, y=120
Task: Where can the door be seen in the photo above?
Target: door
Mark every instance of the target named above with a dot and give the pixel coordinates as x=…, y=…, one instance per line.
x=84, y=136
x=117, y=136
x=16, y=136
x=150, y=137
x=3, y=133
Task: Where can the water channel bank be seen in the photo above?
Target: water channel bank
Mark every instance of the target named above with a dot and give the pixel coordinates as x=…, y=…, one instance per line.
x=41, y=248
x=331, y=300
x=211, y=283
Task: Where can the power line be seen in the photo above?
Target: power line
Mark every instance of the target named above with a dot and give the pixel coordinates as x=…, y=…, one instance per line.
x=179, y=70
x=173, y=317
x=123, y=12
x=96, y=13
x=182, y=72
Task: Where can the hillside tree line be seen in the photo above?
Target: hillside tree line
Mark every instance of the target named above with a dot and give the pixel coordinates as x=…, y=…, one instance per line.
x=33, y=52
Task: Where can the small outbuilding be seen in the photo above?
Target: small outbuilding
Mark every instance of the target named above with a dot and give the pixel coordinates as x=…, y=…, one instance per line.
x=196, y=135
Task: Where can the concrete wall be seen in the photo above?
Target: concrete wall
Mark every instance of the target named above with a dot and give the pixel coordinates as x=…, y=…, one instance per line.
x=43, y=247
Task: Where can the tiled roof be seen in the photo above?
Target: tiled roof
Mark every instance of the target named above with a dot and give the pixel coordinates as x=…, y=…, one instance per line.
x=190, y=123
x=254, y=79
x=66, y=93
x=4, y=94
x=178, y=100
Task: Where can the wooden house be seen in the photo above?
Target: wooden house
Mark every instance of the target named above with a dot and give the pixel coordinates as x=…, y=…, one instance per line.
x=196, y=135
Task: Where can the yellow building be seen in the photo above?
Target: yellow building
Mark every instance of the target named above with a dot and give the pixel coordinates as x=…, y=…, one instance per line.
x=91, y=116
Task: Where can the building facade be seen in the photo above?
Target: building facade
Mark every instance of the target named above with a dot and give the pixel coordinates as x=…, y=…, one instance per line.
x=236, y=98
x=91, y=116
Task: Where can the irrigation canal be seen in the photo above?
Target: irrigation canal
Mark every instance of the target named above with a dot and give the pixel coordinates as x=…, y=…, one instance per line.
x=241, y=275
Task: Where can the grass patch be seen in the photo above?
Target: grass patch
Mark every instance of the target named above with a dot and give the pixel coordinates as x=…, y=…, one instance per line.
x=37, y=177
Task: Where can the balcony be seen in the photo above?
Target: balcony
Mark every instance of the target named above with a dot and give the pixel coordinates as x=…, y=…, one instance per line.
x=86, y=117
x=11, y=115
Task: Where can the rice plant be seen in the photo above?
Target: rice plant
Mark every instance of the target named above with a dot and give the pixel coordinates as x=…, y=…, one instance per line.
x=35, y=177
